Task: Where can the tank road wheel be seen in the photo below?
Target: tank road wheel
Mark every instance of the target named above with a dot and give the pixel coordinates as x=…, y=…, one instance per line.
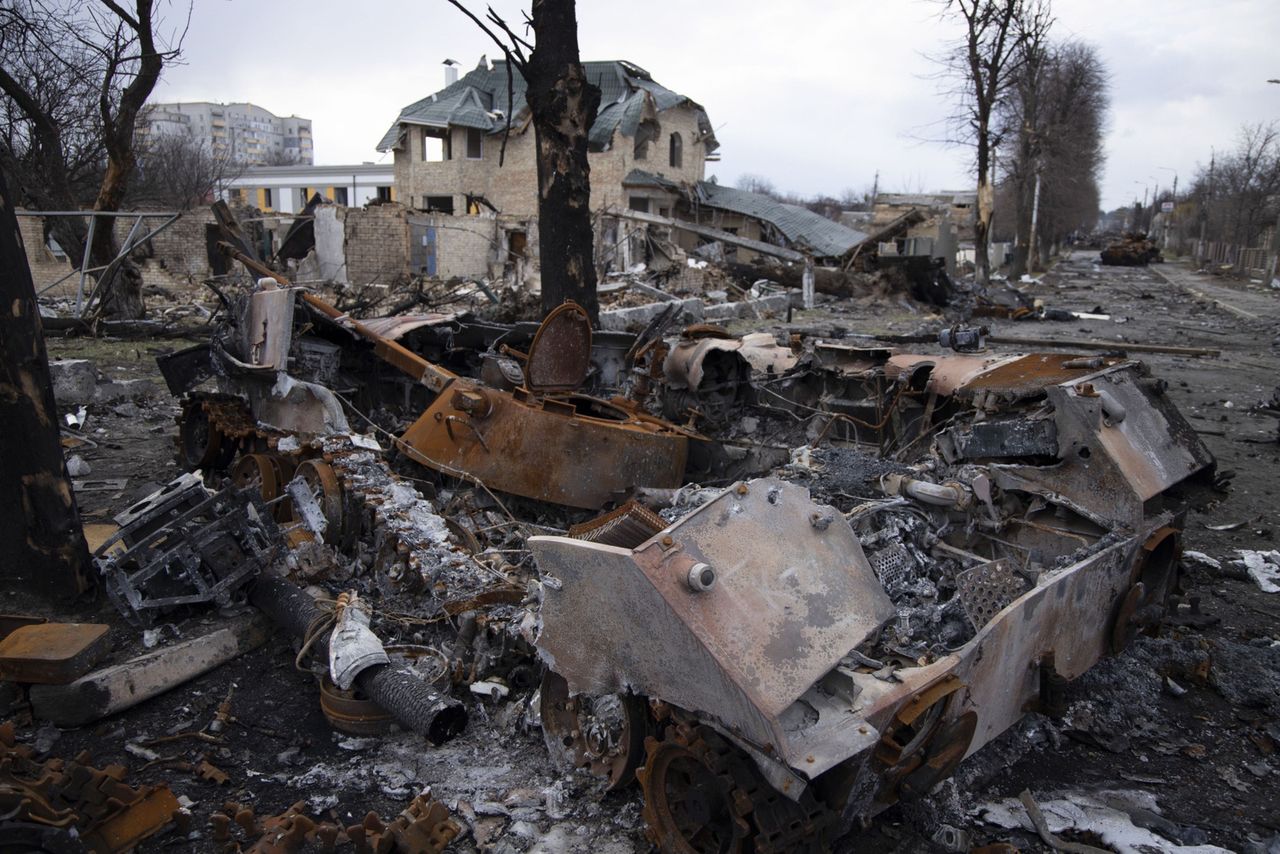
x=919, y=746
x=692, y=802
x=1154, y=577
x=261, y=471
x=201, y=445
x=324, y=484
x=603, y=734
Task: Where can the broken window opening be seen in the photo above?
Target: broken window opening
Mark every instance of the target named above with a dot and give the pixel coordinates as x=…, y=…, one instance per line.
x=438, y=204
x=638, y=203
x=646, y=133
x=384, y=194
x=475, y=144
x=435, y=145
x=677, y=151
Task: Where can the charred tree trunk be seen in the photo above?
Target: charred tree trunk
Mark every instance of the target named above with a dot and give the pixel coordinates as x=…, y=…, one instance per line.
x=563, y=104
x=42, y=542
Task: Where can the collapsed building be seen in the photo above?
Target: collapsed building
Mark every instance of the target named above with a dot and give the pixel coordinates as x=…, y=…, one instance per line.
x=779, y=582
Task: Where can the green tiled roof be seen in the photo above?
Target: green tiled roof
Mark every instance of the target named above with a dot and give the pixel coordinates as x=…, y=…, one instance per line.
x=475, y=100
x=803, y=229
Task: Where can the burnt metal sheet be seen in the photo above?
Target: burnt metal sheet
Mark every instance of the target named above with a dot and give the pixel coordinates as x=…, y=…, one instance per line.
x=269, y=328
x=1112, y=465
x=1012, y=376
x=560, y=354
x=684, y=365
x=793, y=594
x=1018, y=437
x=395, y=328
x=573, y=450
x=1028, y=375
x=948, y=373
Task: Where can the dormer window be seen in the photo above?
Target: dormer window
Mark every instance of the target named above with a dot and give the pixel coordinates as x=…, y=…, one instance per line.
x=475, y=144
x=435, y=145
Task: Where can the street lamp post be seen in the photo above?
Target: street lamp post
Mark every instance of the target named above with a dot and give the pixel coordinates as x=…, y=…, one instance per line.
x=1174, y=209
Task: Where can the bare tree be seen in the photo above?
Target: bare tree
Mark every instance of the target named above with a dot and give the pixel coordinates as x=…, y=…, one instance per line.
x=753, y=183
x=563, y=106
x=983, y=62
x=176, y=171
x=109, y=59
x=1054, y=120
x=1239, y=194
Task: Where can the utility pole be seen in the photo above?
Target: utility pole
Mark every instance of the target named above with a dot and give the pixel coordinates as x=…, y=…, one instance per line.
x=1035, y=215
x=1202, y=248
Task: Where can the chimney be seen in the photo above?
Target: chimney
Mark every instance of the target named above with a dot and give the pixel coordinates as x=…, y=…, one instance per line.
x=450, y=72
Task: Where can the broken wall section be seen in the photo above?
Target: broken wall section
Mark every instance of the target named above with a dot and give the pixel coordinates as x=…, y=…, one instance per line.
x=383, y=243
x=176, y=257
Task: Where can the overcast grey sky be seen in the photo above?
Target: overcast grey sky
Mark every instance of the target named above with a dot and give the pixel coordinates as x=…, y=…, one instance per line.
x=816, y=95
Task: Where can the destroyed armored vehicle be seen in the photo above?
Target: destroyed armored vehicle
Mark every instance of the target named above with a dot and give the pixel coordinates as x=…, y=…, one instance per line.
x=775, y=670
x=912, y=551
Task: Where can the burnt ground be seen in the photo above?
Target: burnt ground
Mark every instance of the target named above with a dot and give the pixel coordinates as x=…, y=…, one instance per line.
x=1190, y=717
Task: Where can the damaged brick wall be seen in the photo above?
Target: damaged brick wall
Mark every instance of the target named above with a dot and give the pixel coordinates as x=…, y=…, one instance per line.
x=177, y=257
x=381, y=243
x=513, y=187
x=376, y=243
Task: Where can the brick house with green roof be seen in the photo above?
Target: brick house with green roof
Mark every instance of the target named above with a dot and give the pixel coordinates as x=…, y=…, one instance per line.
x=447, y=145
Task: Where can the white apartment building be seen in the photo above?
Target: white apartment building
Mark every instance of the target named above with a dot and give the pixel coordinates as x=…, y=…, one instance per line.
x=243, y=132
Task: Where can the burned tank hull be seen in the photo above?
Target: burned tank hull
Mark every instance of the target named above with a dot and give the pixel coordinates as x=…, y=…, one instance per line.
x=1041, y=524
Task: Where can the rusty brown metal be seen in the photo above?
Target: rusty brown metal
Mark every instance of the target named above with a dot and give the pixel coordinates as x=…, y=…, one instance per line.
x=107, y=814
x=571, y=449
x=52, y=653
x=560, y=354
x=1011, y=376
x=627, y=526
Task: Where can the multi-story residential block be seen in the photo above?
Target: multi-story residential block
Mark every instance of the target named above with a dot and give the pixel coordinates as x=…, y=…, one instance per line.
x=242, y=132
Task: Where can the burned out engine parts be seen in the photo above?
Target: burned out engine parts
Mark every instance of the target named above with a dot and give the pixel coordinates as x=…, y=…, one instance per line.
x=186, y=545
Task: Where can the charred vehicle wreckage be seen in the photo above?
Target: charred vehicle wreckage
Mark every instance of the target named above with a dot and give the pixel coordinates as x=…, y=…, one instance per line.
x=778, y=582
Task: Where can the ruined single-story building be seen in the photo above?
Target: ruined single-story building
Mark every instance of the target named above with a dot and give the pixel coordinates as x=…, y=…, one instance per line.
x=447, y=145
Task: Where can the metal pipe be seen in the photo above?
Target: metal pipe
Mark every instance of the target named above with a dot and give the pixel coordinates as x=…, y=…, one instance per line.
x=395, y=687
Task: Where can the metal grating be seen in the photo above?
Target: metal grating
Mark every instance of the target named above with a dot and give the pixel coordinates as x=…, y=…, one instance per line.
x=987, y=589
x=891, y=565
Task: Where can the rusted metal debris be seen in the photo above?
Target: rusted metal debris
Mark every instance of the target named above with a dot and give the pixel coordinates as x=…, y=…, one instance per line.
x=423, y=827
x=1135, y=249
x=913, y=549
x=55, y=802
x=51, y=653
x=759, y=616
